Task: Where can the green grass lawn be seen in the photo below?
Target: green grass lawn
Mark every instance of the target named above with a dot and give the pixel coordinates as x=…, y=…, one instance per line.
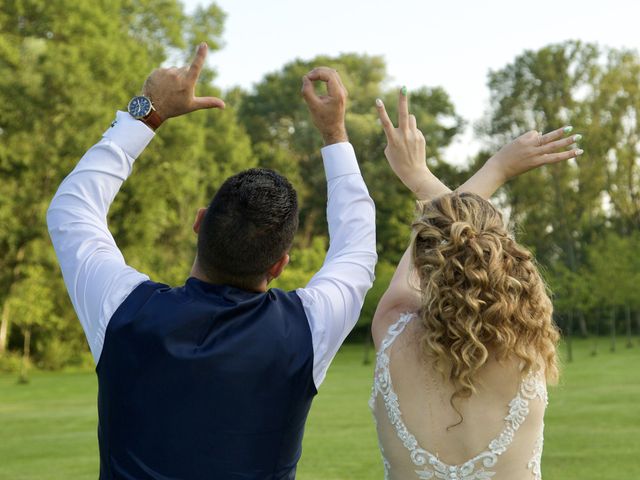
x=48, y=427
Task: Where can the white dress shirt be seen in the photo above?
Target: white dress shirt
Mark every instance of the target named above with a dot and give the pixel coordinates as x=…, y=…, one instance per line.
x=99, y=280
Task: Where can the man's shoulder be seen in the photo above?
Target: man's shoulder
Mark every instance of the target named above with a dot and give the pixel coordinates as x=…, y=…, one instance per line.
x=292, y=296
x=140, y=295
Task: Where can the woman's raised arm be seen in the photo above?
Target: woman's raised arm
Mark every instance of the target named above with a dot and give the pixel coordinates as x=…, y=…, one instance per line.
x=406, y=154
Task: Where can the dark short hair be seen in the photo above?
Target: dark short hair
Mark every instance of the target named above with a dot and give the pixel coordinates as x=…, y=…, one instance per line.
x=249, y=225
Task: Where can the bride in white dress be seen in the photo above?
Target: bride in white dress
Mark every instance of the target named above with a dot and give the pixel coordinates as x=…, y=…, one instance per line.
x=464, y=333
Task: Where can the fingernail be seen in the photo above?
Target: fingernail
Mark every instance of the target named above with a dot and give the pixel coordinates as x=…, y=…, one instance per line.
x=579, y=152
x=378, y=102
x=403, y=90
x=577, y=137
x=567, y=129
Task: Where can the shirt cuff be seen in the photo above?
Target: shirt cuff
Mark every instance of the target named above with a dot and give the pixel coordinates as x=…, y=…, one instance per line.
x=339, y=159
x=129, y=134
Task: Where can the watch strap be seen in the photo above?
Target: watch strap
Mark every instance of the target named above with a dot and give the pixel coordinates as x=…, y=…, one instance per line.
x=153, y=120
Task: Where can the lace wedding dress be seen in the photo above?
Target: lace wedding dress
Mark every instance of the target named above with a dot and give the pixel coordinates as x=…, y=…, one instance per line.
x=404, y=458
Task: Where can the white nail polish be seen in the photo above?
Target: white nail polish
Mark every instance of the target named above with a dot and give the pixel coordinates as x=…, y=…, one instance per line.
x=579, y=152
x=378, y=102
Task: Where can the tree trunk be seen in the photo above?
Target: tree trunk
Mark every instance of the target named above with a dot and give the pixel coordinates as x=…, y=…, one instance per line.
x=599, y=315
x=367, y=348
x=582, y=324
x=307, y=229
x=568, y=336
x=26, y=349
x=627, y=321
x=613, y=329
x=4, y=327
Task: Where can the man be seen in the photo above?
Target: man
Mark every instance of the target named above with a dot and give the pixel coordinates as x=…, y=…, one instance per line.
x=213, y=379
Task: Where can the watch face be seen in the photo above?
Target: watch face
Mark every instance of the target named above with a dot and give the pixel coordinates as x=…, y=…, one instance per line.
x=139, y=107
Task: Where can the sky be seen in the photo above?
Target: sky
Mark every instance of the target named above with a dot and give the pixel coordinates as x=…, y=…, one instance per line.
x=453, y=44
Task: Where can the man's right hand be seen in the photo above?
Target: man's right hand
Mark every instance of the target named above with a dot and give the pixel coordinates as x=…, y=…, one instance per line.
x=172, y=90
x=327, y=111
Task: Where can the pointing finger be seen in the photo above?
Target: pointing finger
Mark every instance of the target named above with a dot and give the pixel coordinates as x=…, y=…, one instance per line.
x=403, y=109
x=555, y=134
x=384, y=119
x=198, y=62
x=413, y=124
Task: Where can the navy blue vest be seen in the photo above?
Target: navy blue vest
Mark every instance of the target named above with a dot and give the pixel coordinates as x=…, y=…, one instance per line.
x=204, y=382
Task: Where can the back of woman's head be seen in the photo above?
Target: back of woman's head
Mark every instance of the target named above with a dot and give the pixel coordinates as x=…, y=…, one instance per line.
x=482, y=294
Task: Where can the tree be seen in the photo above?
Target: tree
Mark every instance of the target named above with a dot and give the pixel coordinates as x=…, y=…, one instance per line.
x=31, y=301
x=561, y=209
x=615, y=275
x=65, y=66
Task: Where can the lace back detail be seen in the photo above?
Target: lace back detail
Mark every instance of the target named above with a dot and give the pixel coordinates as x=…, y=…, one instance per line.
x=429, y=466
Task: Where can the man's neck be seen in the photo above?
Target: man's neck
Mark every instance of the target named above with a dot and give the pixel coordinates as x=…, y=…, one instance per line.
x=196, y=272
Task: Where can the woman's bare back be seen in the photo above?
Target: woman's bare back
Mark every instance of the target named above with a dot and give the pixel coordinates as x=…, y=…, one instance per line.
x=500, y=436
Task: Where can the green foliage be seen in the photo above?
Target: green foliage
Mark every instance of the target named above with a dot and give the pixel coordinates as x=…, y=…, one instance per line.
x=615, y=270
x=384, y=272
x=572, y=290
x=10, y=362
x=65, y=67
x=59, y=354
x=571, y=214
x=304, y=262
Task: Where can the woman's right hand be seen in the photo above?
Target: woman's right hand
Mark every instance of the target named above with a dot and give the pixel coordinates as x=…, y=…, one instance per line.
x=406, y=151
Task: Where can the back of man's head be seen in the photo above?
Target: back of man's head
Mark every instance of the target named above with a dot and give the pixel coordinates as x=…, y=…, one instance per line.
x=249, y=225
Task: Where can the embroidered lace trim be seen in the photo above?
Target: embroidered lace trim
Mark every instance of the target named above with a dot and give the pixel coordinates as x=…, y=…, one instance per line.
x=429, y=465
x=534, y=463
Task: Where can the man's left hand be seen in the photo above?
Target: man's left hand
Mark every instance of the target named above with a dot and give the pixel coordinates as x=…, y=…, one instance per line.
x=327, y=111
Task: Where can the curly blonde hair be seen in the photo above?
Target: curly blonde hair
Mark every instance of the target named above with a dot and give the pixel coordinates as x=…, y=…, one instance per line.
x=481, y=294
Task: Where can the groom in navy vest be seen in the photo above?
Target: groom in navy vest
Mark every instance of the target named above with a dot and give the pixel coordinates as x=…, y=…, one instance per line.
x=212, y=379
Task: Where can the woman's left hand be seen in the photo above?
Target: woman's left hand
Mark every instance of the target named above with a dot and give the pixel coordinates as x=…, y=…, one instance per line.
x=406, y=151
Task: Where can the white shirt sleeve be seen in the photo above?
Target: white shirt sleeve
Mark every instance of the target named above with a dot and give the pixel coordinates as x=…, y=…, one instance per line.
x=97, y=278
x=334, y=296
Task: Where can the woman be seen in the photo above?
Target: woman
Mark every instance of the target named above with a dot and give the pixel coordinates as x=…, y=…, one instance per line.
x=464, y=333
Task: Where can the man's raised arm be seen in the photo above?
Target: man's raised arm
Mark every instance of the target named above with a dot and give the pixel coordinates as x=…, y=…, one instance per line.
x=333, y=298
x=94, y=270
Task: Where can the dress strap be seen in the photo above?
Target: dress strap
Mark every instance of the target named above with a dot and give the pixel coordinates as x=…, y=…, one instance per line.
x=396, y=329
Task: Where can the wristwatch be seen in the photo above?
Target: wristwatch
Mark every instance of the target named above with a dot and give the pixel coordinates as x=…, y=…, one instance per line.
x=141, y=108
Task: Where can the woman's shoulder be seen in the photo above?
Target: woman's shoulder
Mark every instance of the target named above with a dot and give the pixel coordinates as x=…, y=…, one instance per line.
x=384, y=320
